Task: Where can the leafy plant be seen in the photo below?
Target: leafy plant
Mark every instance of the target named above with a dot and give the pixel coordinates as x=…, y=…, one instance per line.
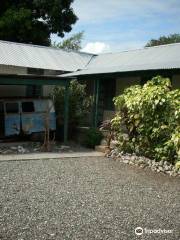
x=79, y=103
x=72, y=43
x=172, y=38
x=150, y=115
x=178, y=165
x=93, y=138
x=107, y=126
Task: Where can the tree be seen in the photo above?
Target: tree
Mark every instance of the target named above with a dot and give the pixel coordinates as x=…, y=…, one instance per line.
x=172, y=38
x=72, y=43
x=33, y=21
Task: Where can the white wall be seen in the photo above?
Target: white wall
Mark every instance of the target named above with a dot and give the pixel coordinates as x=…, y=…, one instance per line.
x=47, y=90
x=12, y=70
x=176, y=81
x=121, y=84
x=125, y=82
x=52, y=72
x=20, y=91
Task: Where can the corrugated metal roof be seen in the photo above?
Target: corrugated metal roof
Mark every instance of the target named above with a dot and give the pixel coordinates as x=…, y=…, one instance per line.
x=33, y=56
x=152, y=58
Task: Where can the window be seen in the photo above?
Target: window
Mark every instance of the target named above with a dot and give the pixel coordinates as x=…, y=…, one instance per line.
x=12, y=107
x=28, y=107
x=1, y=108
x=33, y=91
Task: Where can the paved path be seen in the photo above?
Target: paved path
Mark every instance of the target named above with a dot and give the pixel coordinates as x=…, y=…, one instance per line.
x=41, y=156
x=85, y=198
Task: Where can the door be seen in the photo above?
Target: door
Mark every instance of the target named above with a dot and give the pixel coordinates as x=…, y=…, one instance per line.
x=12, y=118
x=2, y=122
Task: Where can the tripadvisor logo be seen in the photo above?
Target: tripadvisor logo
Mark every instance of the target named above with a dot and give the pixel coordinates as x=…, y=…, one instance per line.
x=139, y=231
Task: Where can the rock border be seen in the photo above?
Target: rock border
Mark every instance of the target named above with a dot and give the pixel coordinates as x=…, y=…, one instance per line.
x=143, y=162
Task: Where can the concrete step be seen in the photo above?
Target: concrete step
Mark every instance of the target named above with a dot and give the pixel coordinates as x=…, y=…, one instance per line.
x=46, y=156
x=101, y=148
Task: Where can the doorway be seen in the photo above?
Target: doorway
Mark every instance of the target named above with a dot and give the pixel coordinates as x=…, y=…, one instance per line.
x=2, y=119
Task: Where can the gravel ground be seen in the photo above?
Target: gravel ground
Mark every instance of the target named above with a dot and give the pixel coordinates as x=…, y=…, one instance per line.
x=85, y=198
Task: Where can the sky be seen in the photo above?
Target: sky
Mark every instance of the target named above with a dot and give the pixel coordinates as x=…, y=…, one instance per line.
x=118, y=25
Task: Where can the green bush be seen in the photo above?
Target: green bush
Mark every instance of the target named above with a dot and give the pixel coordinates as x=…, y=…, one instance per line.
x=93, y=138
x=79, y=105
x=150, y=115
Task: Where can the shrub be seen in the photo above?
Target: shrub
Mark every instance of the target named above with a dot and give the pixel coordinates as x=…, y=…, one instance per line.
x=150, y=115
x=93, y=138
x=79, y=104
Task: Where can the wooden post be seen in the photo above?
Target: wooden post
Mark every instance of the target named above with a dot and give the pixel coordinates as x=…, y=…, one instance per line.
x=96, y=101
x=66, y=112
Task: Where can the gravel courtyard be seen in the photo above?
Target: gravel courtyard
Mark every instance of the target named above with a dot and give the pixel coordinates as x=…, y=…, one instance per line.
x=85, y=198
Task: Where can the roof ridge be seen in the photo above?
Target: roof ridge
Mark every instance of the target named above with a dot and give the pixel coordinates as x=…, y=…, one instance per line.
x=46, y=47
x=139, y=49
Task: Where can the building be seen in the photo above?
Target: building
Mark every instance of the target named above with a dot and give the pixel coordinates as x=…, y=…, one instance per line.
x=25, y=60
x=113, y=72
x=29, y=70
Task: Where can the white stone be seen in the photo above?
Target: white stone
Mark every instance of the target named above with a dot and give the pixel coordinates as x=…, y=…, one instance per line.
x=160, y=168
x=126, y=161
x=103, y=142
x=161, y=163
x=13, y=148
x=143, y=162
x=166, y=168
x=133, y=158
x=113, y=144
x=64, y=147
x=21, y=149
x=165, y=163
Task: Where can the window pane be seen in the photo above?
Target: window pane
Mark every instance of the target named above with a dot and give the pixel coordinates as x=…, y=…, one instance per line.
x=1, y=108
x=28, y=107
x=33, y=91
x=12, y=108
